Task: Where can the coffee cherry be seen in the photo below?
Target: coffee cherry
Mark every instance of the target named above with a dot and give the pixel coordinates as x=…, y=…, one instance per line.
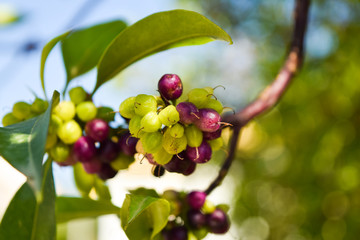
x=196, y=199
x=176, y=233
x=127, y=108
x=201, y=154
x=209, y=120
x=177, y=131
x=218, y=222
x=151, y=142
x=135, y=126
x=21, y=110
x=144, y=104
x=162, y=156
x=199, y=97
x=65, y=110
x=9, y=119
x=105, y=113
x=150, y=122
x=106, y=172
x=108, y=151
x=69, y=132
x=97, y=129
x=193, y=135
x=86, y=111
x=84, y=149
x=196, y=218
x=92, y=166
x=212, y=135
x=60, y=152
x=180, y=164
x=173, y=145
x=188, y=112
x=39, y=106
x=170, y=86
x=127, y=144
x=169, y=115
x=77, y=95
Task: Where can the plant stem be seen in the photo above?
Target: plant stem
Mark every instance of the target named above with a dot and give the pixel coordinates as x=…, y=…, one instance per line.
x=271, y=95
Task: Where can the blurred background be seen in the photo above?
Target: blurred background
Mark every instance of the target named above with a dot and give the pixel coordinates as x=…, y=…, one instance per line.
x=297, y=171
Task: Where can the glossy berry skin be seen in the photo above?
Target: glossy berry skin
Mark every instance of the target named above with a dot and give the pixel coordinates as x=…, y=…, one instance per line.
x=196, y=199
x=108, y=151
x=97, y=129
x=201, y=154
x=183, y=166
x=84, y=149
x=209, y=120
x=196, y=219
x=170, y=86
x=212, y=135
x=106, y=172
x=176, y=233
x=92, y=166
x=158, y=171
x=218, y=222
x=188, y=112
x=127, y=144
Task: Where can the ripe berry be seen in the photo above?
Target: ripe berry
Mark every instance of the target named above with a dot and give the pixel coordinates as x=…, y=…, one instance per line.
x=84, y=149
x=176, y=233
x=196, y=219
x=188, y=112
x=218, y=222
x=106, y=172
x=209, y=120
x=196, y=199
x=158, y=171
x=183, y=166
x=97, y=129
x=108, y=151
x=92, y=166
x=212, y=135
x=127, y=144
x=201, y=154
x=170, y=86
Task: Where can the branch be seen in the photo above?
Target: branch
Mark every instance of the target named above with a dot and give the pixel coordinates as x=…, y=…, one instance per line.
x=271, y=95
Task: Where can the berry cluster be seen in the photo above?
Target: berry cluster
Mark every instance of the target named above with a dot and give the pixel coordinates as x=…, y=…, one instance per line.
x=193, y=217
x=173, y=136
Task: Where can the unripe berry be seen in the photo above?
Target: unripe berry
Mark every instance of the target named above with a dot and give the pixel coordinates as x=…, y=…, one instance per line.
x=97, y=129
x=60, y=152
x=218, y=222
x=121, y=162
x=127, y=108
x=86, y=111
x=65, y=110
x=77, y=95
x=69, y=132
x=21, y=110
x=169, y=115
x=51, y=140
x=196, y=199
x=9, y=119
x=170, y=86
x=144, y=104
x=150, y=122
x=84, y=149
x=105, y=113
x=39, y=106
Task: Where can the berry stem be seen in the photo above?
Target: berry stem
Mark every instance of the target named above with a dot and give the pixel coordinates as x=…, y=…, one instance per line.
x=271, y=95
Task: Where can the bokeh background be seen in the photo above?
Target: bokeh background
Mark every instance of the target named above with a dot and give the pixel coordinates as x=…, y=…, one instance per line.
x=297, y=171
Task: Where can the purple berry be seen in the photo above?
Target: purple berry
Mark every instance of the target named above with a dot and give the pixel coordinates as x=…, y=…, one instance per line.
x=188, y=112
x=170, y=86
x=212, y=135
x=71, y=160
x=196, y=219
x=190, y=169
x=180, y=165
x=209, y=120
x=106, y=172
x=158, y=171
x=218, y=222
x=127, y=144
x=92, y=166
x=97, y=129
x=196, y=199
x=84, y=149
x=108, y=151
x=201, y=154
x=176, y=233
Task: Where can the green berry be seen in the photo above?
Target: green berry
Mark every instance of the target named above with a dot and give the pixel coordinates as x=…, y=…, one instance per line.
x=77, y=95
x=193, y=135
x=173, y=145
x=150, y=122
x=21, y=110
x=121, y=162
x=55, y=123
x=214, y=104
x=199, y=97
x=51, y=140
x=162, y=156
x=9, y=119
x=135, y=126
x=169, y=115
x=84, y=181
x=216, y=143
x=210, y=90
x=105, y=113
x=151, y=142
x=177, y=131
x=69, y=132
x=65, y=110
x=127, y=108
x=144, y=104
x=208, y=207
x=60, y=152
x=39, y=106
x=86, y=111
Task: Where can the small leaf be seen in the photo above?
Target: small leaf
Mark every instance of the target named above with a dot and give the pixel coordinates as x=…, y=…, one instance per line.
x=83, y=48
x=146, y=213
x=45, y=53
x=69, y=208
x=145, y=192
x=25, y=218
x=23, y=145
x=156, y=33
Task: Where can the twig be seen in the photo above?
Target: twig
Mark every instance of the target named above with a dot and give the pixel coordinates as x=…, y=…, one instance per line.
x=270, y=96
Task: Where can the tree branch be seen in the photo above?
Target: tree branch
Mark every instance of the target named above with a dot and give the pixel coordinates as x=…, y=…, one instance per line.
x=271, y=95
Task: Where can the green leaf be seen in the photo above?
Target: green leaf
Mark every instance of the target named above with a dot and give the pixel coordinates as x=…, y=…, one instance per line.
x=145, y=191
x=29, y=219
x=83, y=48
x=101, y=189
x=69, y=208
x=45, y=53
x=23, y=145
x=146, y=213
x=156, y=33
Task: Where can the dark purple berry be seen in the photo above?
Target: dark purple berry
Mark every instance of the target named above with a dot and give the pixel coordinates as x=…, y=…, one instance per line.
x=108, y=151
x=92, y=166
x=188, y=112
x=218, y=222
x=196, y=219
x=71, y=160
x=170, y=86
x=127, y=144
x=84, y=149
x=106, y=172
x=201, y=154
x=180, y=164
x=196, y=199
x=158, y=171
x=97, y=129
x=209, y=120
x=176, y=233
x=212, y=135
x=190, y=169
